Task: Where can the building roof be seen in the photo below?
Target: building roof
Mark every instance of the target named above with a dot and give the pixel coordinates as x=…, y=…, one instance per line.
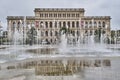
x=96, y=17
x=20, y=17
x=15, y=17
x=59, y=9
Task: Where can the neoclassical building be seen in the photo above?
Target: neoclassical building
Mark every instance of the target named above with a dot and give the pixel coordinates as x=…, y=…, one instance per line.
x=49, y=21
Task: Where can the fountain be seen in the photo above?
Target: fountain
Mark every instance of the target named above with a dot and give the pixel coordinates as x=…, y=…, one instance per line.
x=17, y=37
x=75, y=58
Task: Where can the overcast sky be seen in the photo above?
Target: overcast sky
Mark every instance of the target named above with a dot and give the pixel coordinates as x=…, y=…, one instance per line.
x=92, y=7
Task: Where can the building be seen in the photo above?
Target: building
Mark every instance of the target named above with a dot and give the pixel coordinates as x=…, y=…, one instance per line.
x=49, y=21
x=115, y=36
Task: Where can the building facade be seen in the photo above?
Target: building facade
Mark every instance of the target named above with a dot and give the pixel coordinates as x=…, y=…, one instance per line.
x=49, y=21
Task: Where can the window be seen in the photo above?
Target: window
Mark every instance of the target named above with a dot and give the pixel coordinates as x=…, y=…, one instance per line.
x=46, y=24
x=86, y=24
x=18, y=26
x=77, y=24
x=50, y=24
x=78, y=33
x=50, y=15
x=99, y=24
x=50, y=33
x=55, y=15
x=90, y=24
x=41, y=24
x=56, y=33
x=59, y=15
x=73, y=33
x=59, y=24
x=51, y=40
x=95, y=24
x=86, y=32
x=14, y=25
x=73, y=24
x=77, y=15
x=55, y=24
x=46, y=33
x=42, y=33
x=45, y=15
x=41, y=15
x=68, y=15
x=103, y=24
x=64, y=24
x=91, y=32
x=68, y=24
x=64, y=15
x=73, y=15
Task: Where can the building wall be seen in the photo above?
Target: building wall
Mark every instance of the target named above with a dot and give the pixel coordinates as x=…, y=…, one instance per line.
x=47, y=21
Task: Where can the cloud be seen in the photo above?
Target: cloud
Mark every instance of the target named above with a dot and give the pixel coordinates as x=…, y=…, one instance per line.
x=92, y=7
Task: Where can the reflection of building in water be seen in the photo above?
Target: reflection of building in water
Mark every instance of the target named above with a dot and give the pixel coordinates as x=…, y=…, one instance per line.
x=48, y=22
x=60, y=67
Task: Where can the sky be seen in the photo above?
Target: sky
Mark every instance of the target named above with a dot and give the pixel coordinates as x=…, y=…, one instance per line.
x=92, y=8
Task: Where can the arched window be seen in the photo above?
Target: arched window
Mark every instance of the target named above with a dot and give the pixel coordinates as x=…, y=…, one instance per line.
x=55, y=24
x=33, y=24
x=90, y=24
x=28, y=25
x=68, y=24
x=78, y=33
x=50, y=24
x=41, y=24
x=86, y=32
x=14, y=24
x=50, y=33
x=46, y=24
x=86, y=24
x=103, y=31
x=18, y=28
x=60, y=24
x=95, y=24
x=42, y=33
x=56, y=33
x=99, y=24
x=103, y=24
x=64, y=24
x=77, y=24
x=46, y=40
x=73, y=24
x=13, y=27
x=73, y=32
x=46, y=33
x=51, y=40
x=91, y=32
